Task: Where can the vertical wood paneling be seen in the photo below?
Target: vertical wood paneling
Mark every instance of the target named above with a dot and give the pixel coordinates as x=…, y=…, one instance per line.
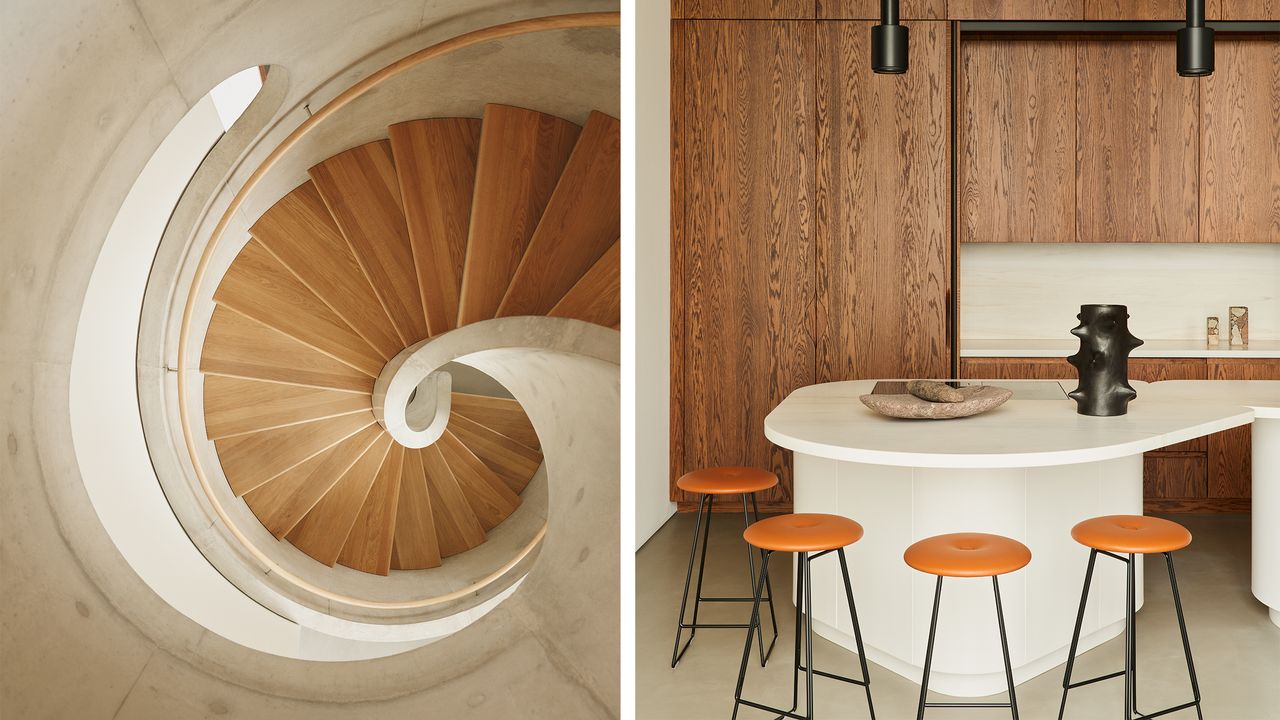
x=1242, y=9
x=992, y=368
x=748, y=237
x=1231, y=452
x=1135, y=9
x=679, y=101
x=883, y=237
x=742, y=9
x=1181, y=475
x=1240, y=142
x=1018, y=138
x=870, y=9
x=1136, y=143
x=1015, y=9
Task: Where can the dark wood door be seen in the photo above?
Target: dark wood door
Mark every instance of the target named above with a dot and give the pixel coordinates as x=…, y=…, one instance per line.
x=883, y=199
x=743, y=257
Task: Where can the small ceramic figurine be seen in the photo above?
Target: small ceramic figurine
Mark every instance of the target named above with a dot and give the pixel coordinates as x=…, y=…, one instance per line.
x=1239, y=326
x=1211, y=331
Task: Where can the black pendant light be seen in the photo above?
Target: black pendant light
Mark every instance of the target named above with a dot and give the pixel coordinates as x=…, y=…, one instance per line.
x=889, y=41
x=1195, y=43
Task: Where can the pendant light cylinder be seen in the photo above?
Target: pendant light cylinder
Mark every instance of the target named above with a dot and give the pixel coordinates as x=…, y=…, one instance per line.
x=1195, y=43
x=889, y=41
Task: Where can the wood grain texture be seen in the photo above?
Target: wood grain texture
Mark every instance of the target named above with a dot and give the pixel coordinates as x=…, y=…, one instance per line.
x=597, y=296
x=416, y=546
x=237, y=346
x=1196, y=505
x=1017, y=157
x=1160, y=369
x=1240, y=142
x=747, y=264
x=368, y=545
x=1136, y=164
x=251, y=460
x=984, y=368
x=1174, y=475
x=490, y=498
x=582, y=220
x=870, y=9
x=1242, y=9
x=680, y=69
x=361, y=190
x=1015, y=9
x=743, y=9
x=299, y=231
x=522, y=154
x=502, y=415
x=436, y=165
x=1244, y=368
x=1231, y=452
x=323, y=531
x=234, y=406
x=884, y=237
x=457, y=527
x=259, y=286
x=511, y=461
x=1135, y=9
x=283, y=502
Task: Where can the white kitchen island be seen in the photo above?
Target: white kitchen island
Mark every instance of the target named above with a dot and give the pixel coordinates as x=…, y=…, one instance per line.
x=1030, y=470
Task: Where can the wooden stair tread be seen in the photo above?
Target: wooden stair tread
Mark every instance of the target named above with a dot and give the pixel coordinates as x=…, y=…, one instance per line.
x=416, y=545
x=436, y=165
x=491, y=500
x=502, y=415
x=360, y=188
x=282, y=502
x=259, y=286
x=508, y=459
x=251, y=460
x=299, y=231
x=597, y=296
x=235, y=406
x=323, y=531
x=239, y=346
x=368, y=545
x=457, y=527
x=522, y=154
x=581, y=221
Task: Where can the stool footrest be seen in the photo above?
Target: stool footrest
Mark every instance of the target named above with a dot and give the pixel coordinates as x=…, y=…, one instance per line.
x=833, y=676
x=1166, y=711
x=764, y=599
x=1072, y=686
x=781, y=713
x=968, y=705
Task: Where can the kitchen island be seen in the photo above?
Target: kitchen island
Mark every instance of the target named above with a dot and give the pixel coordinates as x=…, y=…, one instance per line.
x=1030, y=470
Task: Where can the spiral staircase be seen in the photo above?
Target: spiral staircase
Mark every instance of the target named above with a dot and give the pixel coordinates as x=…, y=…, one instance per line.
x=446, y=223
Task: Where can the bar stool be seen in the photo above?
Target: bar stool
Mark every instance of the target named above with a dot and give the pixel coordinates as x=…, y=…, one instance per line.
x=803, y=533
x=967, y=555
x=1121, y=537
x=711, y=482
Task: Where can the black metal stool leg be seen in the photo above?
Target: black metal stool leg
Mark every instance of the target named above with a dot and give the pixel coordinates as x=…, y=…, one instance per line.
x=1004, y=647
x=676, y=653
x=857, y=633
x=702, y=566
x=801, y=568
x=928, y=653
x=751, y=626
x=1128, y=639
x=808, y=636
x=1075, y=636
x=1186, y=642
x=751, y=566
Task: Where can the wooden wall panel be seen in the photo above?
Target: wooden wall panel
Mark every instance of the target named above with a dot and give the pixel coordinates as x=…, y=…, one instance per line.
x=679, y=99
x=992, y=368
x=1242, y=9
x=1017, y=140
x=1181, y=475
x=1135, y=9
x=1138, y=123
x=742, y=9
x=870, y=10
x=1240, y=142
x=1160, y=369
x=883, y=250
x=747, y=267
x=1244, y=369
x=1015, y=9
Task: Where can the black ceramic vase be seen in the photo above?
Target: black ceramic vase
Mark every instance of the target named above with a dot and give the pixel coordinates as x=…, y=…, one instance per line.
x=1103, y=360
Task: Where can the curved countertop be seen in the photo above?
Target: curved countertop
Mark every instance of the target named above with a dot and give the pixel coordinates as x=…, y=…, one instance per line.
x=1037, y=427
x=1261, y=395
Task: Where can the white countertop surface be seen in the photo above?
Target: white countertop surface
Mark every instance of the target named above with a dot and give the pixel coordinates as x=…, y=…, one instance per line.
x=1038, y=427
x=1151, y=349
x=1261, y=395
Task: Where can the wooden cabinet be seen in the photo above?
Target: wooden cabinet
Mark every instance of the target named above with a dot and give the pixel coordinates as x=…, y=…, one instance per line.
x=743, y=255
x=883, y=192
x=870, y=9
x=1137, y=164
x=1240, y=142
x=742, y=9
x=1242, y=9
x=989, y=368
x=1230, y=452
x=1135, y=9
x=1017, y=156
x=1015, y=9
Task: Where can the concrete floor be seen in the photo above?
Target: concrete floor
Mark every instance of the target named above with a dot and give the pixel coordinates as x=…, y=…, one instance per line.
x=1236, y=648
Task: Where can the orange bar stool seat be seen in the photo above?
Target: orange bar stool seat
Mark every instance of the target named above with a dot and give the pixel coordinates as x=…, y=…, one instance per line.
x=711, y=483
x=809, y=536
x=1123, y=538
x=967, y=555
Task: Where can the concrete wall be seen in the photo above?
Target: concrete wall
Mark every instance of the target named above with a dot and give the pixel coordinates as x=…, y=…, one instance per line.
x=91, y=87
x=653, y=267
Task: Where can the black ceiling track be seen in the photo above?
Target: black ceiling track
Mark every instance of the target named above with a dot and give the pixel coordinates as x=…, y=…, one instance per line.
x=1111, y=26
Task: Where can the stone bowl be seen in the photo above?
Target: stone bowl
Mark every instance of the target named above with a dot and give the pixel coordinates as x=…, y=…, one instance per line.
x=977, y=399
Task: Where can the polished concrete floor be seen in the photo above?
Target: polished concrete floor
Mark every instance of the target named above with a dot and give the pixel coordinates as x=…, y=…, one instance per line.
x=1236, y=648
